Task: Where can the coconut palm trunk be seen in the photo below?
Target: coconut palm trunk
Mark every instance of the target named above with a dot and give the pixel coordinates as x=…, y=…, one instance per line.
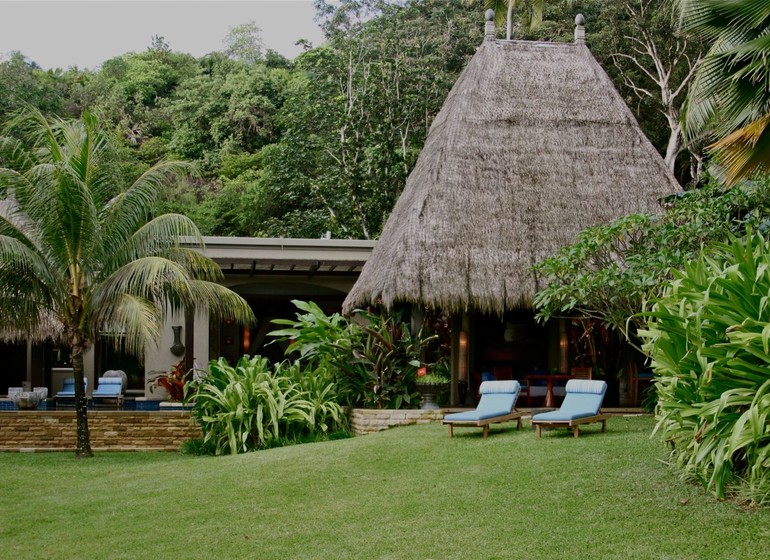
x=83, y=438
x=533, y=18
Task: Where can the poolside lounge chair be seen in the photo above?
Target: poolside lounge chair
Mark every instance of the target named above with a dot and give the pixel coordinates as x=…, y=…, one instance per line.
x=498, y=399
x=582, y=405
x=67, y=393
x=108, y=390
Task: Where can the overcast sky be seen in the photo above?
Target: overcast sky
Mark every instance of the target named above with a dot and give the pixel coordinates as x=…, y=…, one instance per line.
x=64, y=33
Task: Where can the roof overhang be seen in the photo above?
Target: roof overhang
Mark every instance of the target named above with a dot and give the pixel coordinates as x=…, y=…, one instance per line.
x=278, y=256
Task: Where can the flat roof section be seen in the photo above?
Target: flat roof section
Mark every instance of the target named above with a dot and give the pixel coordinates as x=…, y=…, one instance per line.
x=264, y=256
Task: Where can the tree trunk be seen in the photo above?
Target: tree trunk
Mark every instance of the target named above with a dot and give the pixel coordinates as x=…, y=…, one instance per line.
x=509, y=21
x=81, y=403
x=672, y=148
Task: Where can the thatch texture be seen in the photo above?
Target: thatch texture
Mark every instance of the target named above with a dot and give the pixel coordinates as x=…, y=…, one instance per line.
x=532, y=145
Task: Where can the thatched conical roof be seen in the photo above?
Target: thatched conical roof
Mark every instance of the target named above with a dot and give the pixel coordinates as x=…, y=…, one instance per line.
x=532, y=145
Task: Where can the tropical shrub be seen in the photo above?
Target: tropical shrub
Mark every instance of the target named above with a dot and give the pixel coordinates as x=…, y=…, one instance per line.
x=243, y=408
x=709, y=340
x=373, y=359
x=612, y=269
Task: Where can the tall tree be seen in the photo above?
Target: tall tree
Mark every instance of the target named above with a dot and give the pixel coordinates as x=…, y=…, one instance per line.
x=655, y=61
x=503, y=13
x=75, y=249
x=358, y=112
x=531, y=13
x=244, y=43
x=23, y=82
x=730, y=95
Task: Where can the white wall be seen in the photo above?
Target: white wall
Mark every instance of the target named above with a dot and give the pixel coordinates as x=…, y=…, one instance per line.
x=160, y=358
x=201, y=338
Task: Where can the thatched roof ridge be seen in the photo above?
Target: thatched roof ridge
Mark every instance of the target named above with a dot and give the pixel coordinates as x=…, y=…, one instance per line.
x=532, y=145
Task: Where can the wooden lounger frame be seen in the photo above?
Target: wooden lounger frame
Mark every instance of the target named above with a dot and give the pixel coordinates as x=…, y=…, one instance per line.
x=514, y=415
x=572, y=423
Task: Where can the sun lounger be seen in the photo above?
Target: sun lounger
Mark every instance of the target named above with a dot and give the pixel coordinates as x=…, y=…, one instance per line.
x=67, y=394
x=497, y=404
x=582, y=405
x=109, y=390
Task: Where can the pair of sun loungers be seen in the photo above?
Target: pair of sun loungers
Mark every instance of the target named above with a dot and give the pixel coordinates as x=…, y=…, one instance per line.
x=582, y=405
x=108, y=391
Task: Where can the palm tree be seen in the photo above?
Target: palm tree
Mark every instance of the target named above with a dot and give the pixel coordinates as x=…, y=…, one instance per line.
x=730, y=95
x=504, y=12
x=79, y=252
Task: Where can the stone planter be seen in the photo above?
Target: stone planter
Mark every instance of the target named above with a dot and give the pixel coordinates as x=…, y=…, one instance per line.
x=27, y=400
x=429, y=392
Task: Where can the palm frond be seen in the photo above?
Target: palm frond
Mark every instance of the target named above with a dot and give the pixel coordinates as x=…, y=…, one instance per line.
x=730, y=94
x=128, y=210
x=150, y=278
x=138, y=322
x=220, y=302
x=31, y=126
x=14, y=153
x=746, y=151
x=21, y=264
x=155, y=237
x=10, y=181
x=200, y=266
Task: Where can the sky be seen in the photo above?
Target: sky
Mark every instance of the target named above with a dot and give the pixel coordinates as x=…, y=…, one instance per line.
x=65, y=33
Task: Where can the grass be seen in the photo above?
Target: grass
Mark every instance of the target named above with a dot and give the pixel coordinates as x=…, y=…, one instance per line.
x=406, y=493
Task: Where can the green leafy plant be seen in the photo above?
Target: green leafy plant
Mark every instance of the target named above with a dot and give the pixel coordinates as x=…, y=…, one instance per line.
x=709, y=340
x=432, y=379
x=373, y=359
x=437, y=374
x=612, y=269
x=197, y=447
x=242, y=408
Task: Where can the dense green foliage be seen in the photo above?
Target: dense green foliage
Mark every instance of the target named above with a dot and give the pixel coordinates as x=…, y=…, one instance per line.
x=709, y=340
x=373, y=358
x=245, y=407
x=407, y=493
x=613, y=269
x=358, y=112
x=80, y=256
x=322, y=143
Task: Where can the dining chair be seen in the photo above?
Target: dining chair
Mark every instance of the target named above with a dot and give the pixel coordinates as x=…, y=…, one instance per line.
x=581, y=372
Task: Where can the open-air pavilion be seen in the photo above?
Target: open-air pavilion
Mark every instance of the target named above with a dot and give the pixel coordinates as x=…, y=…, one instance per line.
x=532, y=145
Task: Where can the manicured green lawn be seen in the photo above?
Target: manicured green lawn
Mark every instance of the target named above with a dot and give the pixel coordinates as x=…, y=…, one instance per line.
x=406, y=493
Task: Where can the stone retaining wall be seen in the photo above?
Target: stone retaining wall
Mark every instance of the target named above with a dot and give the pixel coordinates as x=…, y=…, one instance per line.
x=109, y=430
x=365, y=421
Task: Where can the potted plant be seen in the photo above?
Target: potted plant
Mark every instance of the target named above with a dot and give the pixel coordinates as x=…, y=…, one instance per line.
x=431, y=384
x=172, y=381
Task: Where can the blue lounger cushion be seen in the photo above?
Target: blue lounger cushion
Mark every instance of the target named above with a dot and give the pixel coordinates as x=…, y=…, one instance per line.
x=583, y=399
x=497, y=399
x=497, y=405
x=109, y=387
x=68, y=387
